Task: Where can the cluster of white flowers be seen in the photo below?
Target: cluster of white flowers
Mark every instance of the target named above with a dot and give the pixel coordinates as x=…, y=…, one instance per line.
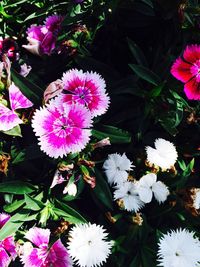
x=135, y=194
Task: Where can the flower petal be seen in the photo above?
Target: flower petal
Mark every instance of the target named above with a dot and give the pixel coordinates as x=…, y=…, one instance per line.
x=145, y=194
x=192, y=89
x=192, y=53
x=58, y=256
x=8, y=118
x=17, y=99
x=38, y=236
x=4, y=258
x=181, y=70
x=160, y=191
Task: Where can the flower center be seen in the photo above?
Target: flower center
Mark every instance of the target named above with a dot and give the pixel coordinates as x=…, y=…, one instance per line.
x=195, y=70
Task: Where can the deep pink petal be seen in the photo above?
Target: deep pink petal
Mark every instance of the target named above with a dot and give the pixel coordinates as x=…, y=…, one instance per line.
x=17, y=99
x=192, y=53
x=48, y=43
x=58, y=256
x=181, y=70
x=3, y=219
x=9, y=245
x=4, y=258
x=53, y=22
x=38, y=236
x=8, y=118
x=35, y=32
x=192, y=90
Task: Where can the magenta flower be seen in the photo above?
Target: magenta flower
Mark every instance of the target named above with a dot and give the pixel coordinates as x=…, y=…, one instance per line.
x=42, y=39
x=9, y=118
x=62, y=129
x=187, y=70
x=42, y=255
x=7, y=246
x=87, y=89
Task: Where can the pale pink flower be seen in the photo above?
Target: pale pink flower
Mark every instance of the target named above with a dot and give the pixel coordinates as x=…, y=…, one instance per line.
x=9, y=118
x=42, y=255
x=62, y=129
x=87, y=89
x=7, y=245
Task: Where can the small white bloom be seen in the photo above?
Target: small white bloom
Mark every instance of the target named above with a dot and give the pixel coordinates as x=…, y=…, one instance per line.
x=128, y=192
x=116, y=167
x=88, y=245
x=71, y=189
x=179, y=249
x=148, y=185
x=163, y=155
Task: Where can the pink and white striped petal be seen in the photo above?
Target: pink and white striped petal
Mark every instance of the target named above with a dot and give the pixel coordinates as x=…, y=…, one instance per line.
x=17, y=99
x=38, y=236
x=8, y=118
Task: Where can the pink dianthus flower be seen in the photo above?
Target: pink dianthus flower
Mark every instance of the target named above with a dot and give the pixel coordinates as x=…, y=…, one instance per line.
x=42, y=255
x=62, y=128
x=87, y=89
x=187, y=70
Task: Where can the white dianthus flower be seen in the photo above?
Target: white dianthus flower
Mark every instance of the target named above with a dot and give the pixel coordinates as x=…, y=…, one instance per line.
x=128, y=193
x=179, y=249
x=148, y=185
x=116, y=167
x=163, y=155
x=88, y=246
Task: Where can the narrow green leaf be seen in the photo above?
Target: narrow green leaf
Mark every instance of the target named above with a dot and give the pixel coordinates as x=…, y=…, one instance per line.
x=32, y=203
x=29, y=89
x=13, y=224
x=13, y=206
x=137, y=53
x=66, y=216
x=115, y=134
x=145, y=74
x=15, y=131
x=70, y=211
x=16, y=187
x=102, y=191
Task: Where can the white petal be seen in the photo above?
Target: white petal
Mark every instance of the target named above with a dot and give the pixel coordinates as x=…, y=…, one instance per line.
x=160, y=191
x=145, y=194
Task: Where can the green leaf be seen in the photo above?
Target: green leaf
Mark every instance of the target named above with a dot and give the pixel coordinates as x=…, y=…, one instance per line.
x=13, y=224
x=156, y=91
x=137, y=53
x=29, y=89
x=16, y=187
x=102, y=191
x=13, y=206
x=115, y=134
x=70, y=211
x=135, y=262
x=32, y=203
x=146, y=74
x=15, y=131
x=66, y=216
